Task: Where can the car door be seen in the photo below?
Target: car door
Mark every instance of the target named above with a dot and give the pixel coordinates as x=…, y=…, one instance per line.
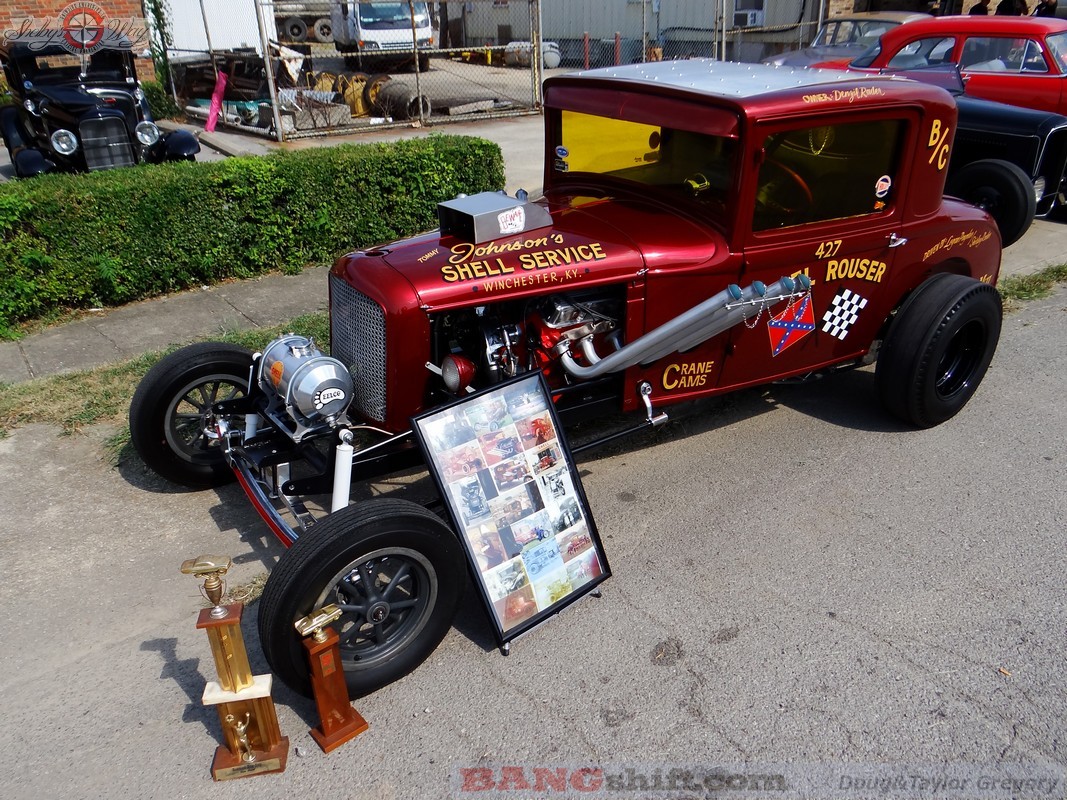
x=827, y=209
x=1014, y=70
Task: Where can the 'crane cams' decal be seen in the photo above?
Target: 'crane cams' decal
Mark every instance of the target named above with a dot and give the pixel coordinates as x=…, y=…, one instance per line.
x=686, y=375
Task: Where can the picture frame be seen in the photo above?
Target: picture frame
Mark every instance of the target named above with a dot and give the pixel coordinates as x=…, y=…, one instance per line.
x=507, y=477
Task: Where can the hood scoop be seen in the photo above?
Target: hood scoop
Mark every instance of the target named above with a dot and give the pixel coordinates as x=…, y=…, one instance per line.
x=486, y=216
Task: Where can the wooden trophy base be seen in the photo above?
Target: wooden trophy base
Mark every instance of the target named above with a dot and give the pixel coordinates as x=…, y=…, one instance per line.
x=341, y=730
x=339, y=721
x=227, y=766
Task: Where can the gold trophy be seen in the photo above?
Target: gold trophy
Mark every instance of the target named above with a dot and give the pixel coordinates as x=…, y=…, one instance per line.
x=254, y=743
x=340, y=722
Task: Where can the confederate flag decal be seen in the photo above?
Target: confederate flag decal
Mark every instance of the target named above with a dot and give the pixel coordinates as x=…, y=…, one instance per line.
x=792, y=325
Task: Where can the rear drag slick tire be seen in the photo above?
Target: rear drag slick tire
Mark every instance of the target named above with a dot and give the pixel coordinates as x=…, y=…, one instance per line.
x=938, y=349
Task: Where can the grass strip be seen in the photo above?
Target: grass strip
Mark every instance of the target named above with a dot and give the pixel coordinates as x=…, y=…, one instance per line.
x=103, y=394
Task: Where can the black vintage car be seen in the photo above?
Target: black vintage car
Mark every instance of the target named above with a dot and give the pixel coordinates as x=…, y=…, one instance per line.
x=993, y=138
x=79, y=112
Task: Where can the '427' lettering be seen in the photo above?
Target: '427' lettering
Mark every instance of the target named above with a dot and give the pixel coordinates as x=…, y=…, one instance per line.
x=828, y=249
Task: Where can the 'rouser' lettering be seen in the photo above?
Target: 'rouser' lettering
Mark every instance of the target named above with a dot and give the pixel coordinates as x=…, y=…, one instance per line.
x=865, y=269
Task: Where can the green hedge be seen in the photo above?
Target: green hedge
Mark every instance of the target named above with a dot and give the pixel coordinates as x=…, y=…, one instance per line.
x=160, y=103
x=70, y=241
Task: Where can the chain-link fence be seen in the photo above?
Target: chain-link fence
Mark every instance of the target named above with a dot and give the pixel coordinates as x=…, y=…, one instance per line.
x=351, y=65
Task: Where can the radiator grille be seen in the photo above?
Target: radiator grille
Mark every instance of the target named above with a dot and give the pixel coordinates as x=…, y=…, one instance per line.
x=357, y=340
x=106, y=143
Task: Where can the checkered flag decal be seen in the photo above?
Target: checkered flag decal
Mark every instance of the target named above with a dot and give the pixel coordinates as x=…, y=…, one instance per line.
x=843, y=313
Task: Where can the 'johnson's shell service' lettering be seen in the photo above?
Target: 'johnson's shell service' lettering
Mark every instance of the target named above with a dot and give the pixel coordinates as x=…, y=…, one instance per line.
x=532, y=254
x=865, y=269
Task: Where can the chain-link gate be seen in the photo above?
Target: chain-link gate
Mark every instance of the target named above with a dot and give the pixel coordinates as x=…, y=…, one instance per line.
x=343, y=66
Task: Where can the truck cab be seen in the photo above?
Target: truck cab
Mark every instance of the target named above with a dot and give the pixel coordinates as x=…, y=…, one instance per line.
x=375, y=36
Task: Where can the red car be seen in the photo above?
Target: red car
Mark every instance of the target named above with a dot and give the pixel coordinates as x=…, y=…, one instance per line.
x=1021, y=61
x=706, y=227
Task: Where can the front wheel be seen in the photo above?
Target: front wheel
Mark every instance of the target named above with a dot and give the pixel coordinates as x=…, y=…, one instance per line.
x=170, y=415
x=397, y=572
x=938, y=349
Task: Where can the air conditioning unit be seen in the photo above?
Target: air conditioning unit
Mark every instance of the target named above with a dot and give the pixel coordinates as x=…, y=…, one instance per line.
x=752, y=18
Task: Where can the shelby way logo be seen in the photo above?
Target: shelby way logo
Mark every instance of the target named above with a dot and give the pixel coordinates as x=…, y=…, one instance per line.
x=82, y=28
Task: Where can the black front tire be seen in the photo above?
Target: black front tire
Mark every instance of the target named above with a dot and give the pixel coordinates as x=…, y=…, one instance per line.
x=170, y=408
x=11, y=130
x=938, y=349
x=397, y=571
x=1002, y=189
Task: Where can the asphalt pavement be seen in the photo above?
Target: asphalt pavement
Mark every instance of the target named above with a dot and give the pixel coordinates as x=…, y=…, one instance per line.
x=806, y=598
x=108, y=335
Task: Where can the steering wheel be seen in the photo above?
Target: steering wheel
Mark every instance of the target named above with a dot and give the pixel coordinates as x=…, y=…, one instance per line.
x=697, y=183
x=784, y=192
x=700, y=187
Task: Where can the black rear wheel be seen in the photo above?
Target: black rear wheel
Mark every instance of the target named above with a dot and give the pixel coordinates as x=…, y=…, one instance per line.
x=1002, y=189
x=323, y=30
x=397, y=572
x=938, y=349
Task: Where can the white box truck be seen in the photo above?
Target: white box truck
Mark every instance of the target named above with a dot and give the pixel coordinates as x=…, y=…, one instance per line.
x=376, y=36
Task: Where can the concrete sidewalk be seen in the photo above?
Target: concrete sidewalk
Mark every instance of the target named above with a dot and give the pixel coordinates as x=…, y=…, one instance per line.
x=106, y=336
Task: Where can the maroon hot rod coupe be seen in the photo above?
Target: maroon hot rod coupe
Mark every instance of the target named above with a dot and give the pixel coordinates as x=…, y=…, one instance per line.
x=705, y=227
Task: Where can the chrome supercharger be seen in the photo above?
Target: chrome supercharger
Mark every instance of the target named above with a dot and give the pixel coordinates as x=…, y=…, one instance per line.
x=298, y=395
x=307, y=390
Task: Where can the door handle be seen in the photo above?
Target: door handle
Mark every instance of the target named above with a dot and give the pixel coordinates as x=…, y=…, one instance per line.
x=896, y=241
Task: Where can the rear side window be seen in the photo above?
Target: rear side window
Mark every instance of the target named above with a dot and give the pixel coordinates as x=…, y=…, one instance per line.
x=924, y=53
x=827, y=172
x=1002, y=54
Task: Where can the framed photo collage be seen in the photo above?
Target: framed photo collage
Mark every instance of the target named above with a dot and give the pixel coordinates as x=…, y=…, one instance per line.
x=507, y=477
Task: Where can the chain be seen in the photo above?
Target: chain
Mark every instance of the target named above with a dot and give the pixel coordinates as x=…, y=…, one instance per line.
x=827, y=136
x=755, y=319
